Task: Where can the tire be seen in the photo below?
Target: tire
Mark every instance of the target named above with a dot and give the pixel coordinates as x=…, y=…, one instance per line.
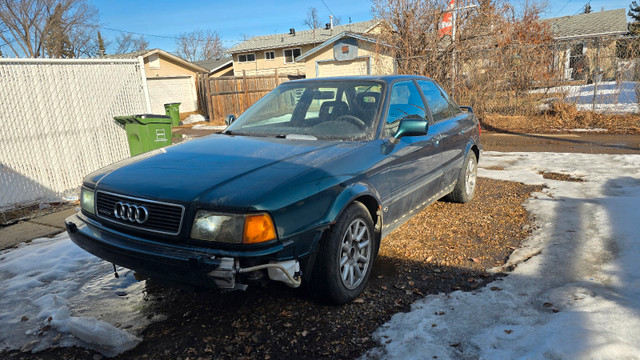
x=345, y=257
x=466, y=184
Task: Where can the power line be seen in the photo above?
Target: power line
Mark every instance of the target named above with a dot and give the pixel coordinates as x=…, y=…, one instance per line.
x=325, y=5
x=150, y=35
x=582, y=8
x=562, y=8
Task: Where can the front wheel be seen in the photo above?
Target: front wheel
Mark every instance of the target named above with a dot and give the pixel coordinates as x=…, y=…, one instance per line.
x=345, y=257
x=466, y=184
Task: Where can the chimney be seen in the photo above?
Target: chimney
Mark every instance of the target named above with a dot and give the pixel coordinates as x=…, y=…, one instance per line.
x=331, y=21
x=292, y=31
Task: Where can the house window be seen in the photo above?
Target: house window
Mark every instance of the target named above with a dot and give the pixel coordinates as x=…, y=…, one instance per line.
x=246, y=57
x=154, y=61
x=290, y=55
x=269, y=55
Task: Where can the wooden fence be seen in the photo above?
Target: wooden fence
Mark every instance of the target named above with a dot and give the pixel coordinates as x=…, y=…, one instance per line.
x=224, y=95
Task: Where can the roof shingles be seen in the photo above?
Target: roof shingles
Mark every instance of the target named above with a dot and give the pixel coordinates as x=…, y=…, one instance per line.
x=610, y=22
x=316, y=36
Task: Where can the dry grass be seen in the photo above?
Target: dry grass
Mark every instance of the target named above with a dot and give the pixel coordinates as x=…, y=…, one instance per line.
x=563, y=117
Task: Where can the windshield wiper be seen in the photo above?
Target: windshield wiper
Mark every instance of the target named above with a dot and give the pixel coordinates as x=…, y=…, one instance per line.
x=229, y=132
x=296, y=137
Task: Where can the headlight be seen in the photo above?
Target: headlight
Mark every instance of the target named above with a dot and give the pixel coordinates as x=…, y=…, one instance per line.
x=235, y=229
x=87, y=200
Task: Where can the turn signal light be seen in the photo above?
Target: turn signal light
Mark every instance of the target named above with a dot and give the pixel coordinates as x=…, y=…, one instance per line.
x=258, y=228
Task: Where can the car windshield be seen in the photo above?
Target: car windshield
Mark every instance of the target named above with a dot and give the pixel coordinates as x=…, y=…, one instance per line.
x=329, y=110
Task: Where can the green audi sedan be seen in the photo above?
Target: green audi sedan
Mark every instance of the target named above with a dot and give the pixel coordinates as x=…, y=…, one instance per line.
x=300, y=188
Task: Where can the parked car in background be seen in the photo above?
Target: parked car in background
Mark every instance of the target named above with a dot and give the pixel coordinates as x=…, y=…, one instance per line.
x=302, y=187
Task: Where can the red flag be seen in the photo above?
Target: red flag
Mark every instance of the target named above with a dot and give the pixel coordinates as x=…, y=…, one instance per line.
x=446, y=25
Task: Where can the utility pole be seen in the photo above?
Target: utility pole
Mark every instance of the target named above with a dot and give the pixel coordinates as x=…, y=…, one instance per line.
x=454, y=13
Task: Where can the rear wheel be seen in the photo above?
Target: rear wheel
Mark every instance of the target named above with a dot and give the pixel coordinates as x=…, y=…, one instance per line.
x=345, y=257
x=466, y=184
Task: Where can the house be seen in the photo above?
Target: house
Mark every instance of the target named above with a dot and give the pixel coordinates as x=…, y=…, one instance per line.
x=222, y=66
x=170, y=79
x=348, y=53
x=586, y=43
x=265, y=55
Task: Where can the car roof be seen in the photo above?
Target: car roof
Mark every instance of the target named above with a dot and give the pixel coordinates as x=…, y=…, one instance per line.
x=385, y=78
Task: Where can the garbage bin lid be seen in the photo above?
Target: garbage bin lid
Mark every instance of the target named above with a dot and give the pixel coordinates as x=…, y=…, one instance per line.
x=175, y=103
x=143, y=119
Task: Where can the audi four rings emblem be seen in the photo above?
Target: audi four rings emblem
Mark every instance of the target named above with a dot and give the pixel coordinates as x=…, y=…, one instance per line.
x=129, y=212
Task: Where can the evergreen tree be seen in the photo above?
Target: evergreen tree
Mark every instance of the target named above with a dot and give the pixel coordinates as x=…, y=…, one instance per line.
x=101, y=47
x=56, y=40
x=634, y=13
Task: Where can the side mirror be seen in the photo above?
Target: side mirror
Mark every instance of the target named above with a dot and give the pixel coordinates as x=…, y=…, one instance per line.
x=229, y=119
x=411, y=127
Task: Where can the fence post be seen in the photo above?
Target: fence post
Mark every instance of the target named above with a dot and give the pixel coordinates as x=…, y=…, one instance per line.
x=595, y=77
x=277, y=78
x=244, y=88
x=207, y=91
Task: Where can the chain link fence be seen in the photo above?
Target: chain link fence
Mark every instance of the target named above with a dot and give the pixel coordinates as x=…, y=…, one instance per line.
x=597, y=74
x=56, y=123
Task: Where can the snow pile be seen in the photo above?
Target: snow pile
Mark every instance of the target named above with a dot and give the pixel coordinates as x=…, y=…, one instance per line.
x=575, y=289
x=209, y=127
x=55, y=293
x=611, y=97
x=193, y=118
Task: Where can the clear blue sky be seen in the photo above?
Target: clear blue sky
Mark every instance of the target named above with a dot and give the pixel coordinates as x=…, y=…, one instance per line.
x=234, y=19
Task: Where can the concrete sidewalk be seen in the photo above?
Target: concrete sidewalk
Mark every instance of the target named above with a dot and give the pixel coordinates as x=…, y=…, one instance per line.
x=42, y=226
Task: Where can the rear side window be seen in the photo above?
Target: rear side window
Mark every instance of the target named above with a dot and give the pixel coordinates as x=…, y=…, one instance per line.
x=438, y=104
x=405, y=102
x=455, y=108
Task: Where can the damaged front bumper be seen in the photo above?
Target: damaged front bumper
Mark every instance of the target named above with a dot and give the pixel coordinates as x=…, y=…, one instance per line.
x=179, y=264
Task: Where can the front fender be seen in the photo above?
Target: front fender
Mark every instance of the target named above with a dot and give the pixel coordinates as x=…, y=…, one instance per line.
x=347, y=196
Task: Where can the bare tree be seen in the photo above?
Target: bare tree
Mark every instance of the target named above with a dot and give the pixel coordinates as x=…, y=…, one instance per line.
x=199, y=45
x=312, y=20
x=411, y=30
x=498, y=54
x=47, y=28
x=128, y=42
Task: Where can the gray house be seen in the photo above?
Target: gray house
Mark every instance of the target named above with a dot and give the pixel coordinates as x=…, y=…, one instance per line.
x=586, y=43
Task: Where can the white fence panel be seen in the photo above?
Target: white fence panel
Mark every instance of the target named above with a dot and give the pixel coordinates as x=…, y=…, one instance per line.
x=172, y=89
x=56, y=122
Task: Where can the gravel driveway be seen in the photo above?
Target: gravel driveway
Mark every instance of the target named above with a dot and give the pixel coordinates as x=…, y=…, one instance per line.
x=444, y=248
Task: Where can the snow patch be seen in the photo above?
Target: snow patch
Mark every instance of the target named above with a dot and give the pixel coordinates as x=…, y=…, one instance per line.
x=193, y=118
x=55, y=293
x=574, y=288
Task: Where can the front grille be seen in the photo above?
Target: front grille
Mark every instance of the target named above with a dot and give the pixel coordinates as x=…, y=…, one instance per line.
x=163, y=218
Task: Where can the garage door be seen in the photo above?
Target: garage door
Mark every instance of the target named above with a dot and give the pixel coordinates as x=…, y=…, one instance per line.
x=163, y=90
x=343, y=68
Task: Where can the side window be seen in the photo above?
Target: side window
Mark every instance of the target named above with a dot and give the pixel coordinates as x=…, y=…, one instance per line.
x=455, y=108
x=405, y=102
x=438, y=104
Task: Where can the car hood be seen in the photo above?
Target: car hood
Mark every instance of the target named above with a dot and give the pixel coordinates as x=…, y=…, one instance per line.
x=192, y=171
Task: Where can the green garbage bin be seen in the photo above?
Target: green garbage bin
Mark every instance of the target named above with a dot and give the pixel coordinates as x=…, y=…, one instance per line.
x=173, y=110
x=146, y=132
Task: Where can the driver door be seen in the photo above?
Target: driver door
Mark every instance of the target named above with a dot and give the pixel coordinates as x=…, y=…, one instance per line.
x=414, y=162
